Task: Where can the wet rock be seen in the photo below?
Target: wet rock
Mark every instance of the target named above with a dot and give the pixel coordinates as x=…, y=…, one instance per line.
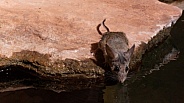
x=54, y=38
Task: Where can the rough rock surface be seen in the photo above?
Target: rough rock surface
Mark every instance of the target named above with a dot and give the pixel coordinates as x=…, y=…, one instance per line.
x=66, y=29
x=55, y=36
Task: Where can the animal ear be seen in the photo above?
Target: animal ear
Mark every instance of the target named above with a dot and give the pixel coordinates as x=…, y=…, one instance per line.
x=129, y=52
x=110, y=52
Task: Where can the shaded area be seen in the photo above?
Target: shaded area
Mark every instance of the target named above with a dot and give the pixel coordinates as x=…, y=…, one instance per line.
x=170, y=1
x=110, y=76
x=30, y=68
x=16, y=77
x=163, y=86
x=12, y=73
x=45, y=96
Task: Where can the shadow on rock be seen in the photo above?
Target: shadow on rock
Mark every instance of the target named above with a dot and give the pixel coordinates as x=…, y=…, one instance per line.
x=110, y=76
x=177, y=33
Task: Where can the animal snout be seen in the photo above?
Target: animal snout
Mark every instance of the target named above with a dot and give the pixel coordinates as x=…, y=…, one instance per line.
x=122, y=76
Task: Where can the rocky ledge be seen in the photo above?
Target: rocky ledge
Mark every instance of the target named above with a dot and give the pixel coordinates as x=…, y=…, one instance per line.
x=52, y=39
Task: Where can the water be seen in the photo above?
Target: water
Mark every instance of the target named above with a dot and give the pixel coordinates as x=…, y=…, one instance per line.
x=47, y=96
x=165, y=85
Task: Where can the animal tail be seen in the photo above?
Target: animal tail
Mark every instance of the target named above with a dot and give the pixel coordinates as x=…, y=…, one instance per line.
x=99, y=32
x=103, y=23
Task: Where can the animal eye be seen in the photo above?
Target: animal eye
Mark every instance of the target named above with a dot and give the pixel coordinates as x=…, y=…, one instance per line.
x=116, y=68
x=126, y=69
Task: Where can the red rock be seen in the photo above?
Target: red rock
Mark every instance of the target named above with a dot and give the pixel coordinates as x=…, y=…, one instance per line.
x=66, y=29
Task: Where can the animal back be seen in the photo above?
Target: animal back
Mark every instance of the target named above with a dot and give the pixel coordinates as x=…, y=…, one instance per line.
x=116, y=40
